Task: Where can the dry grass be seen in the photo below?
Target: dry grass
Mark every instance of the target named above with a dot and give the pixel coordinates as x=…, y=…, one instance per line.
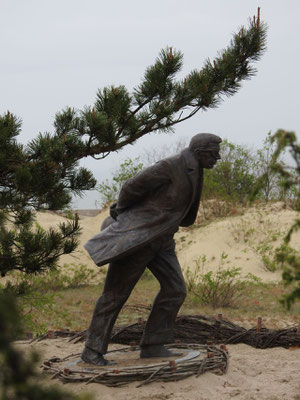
x=74, y=307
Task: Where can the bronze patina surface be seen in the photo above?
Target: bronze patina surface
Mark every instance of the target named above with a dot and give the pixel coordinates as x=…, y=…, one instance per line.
x=139, y=235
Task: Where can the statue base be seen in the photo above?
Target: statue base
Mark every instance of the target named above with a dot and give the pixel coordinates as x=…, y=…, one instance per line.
x=195, y=360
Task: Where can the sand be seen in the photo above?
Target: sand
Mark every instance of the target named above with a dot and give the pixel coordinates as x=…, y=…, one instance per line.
x=253, y=374
x=239, y=238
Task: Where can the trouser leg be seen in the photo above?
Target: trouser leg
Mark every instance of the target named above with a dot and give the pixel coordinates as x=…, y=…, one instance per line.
x=120, y=280
x=160, y=325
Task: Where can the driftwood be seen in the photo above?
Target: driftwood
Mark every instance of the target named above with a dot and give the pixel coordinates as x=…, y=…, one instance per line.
x=202, y=330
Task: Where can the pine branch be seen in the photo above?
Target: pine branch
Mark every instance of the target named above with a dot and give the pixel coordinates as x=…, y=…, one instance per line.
x=160, y=102
x=31, y=250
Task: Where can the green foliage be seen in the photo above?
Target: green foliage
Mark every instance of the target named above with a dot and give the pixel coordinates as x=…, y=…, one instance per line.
x=33, y=181
x=68, y=213
x=37, y=293
x=69, y=276
x=233, y=176
x=221, y=288
x=159, y=102
x=266, y=250
x=18, y=373
x=291, y=273
x=290, y=176
x=268, y=179
x=242, y=175
x=31, y=301
x=110, y=189
x=27, y=170
x=270, y=183
x=31, y=249
x=76, y=276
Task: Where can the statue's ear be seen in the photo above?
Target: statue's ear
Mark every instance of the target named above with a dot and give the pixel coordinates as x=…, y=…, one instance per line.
x=197, y=152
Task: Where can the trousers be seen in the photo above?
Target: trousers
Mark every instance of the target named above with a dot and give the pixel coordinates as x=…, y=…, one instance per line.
x=122, y=275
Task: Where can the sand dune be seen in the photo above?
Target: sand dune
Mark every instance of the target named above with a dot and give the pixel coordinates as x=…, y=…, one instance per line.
x=243, y=238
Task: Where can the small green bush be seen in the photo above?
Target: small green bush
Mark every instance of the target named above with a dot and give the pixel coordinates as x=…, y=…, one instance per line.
x=38, y=292
x=233, y=176
x=289, y=258
x=221, y=288
x=19, y=379
x=266, y=250
x=290, y=175
x=110, y=189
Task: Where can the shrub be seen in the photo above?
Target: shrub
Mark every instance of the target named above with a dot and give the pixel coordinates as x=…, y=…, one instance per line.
x=17, y=372
x=220, y=288
x=233, y=176
x=35, y=293
x=290, y=182
x=110, y=189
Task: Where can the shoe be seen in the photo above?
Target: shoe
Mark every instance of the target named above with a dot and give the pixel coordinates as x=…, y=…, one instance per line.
x=157, y=350
x=93, y=357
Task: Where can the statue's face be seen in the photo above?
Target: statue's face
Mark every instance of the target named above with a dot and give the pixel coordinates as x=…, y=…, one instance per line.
x=208, y=159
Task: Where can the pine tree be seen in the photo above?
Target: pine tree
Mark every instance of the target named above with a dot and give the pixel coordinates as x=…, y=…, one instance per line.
x=45, y=173
x=35, y=181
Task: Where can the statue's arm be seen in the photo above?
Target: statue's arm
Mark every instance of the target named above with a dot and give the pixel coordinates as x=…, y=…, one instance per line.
x=143, y=184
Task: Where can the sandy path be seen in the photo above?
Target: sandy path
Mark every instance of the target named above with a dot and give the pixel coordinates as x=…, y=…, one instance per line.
x=272, y=374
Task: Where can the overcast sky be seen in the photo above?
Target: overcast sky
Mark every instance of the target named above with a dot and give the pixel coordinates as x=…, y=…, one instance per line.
x=57, y=53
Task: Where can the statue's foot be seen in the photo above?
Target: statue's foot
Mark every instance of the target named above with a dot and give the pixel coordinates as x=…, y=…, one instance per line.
x=93, y=357
x=157, y=350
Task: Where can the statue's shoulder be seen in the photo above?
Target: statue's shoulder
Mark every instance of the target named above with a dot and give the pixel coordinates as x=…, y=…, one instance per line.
x=171, y=166
x=176, y=159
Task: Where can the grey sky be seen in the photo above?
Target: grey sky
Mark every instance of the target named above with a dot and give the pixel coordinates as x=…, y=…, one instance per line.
x=58, y=53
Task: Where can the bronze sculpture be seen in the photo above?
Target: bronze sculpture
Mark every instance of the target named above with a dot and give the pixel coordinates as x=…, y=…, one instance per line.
x=139, y=234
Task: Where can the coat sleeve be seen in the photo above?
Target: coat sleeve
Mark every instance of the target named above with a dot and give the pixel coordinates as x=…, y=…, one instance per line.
x=143, y=184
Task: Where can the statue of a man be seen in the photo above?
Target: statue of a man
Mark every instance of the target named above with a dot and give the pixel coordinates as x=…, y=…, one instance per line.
x=139, y=235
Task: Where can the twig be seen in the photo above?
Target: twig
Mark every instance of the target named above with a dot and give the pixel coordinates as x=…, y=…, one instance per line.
x=150, y=377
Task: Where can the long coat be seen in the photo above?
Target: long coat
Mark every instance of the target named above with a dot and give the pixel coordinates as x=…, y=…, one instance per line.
x=153, y=203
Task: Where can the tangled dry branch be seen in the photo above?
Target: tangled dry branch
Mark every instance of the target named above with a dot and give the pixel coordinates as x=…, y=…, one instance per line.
x=202, y=330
